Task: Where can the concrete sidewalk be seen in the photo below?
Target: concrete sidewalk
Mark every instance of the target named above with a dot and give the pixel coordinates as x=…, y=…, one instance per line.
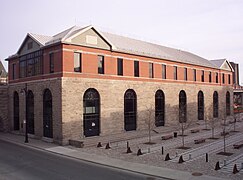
x=111, y=162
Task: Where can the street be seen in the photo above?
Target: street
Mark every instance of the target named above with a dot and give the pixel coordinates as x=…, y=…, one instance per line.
x=17, y=162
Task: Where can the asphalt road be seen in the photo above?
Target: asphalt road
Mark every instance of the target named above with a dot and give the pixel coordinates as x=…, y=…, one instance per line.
x=23, y=163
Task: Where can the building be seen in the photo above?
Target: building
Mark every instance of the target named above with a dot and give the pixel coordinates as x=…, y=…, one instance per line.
x=83, y=82
x=3, y=74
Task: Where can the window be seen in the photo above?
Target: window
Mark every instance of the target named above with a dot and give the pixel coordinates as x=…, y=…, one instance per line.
x=229, y=77
x=16, y=111
x=101, y=68
x=77, y=62
x=223, y=80
x=215, y=104
x=30, y=112
x=136, y=68
x=228, y=103
x=14, y=71
x=47, y=114
x=31, y=64
x=175, y=72
x=159, y=108
x=194, y=74
x=51, y=56
x=200, y=101
x=151, y=70
x=185, y=74
x=202, y=76
x=120, y=67
x=163, y=71
x=217, y=77
x=130, y=110
x=210, y=77
x=91, y=112
x=182, y=107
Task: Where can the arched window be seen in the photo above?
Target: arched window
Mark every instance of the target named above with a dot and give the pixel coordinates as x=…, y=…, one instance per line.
x=91, y=112
x=130, y=110
x=16, y=111
x=228, y=103
x=182, y=107
x=200, y=100
x=47, y=114
x=30, y=112
x=159, y=108
x=215, y=104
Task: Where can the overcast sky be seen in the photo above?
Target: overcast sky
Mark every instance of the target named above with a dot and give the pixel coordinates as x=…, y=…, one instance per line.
x=212, y=29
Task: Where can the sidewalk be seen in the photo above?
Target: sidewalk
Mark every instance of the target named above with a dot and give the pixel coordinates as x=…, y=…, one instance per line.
x=111, y=162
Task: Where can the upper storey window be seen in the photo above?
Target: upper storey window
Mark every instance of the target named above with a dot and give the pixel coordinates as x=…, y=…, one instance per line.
x=101, y=68
x=136, y=68
x=194, y=74
x=223, y=80
x=217, y=77
x=185, y=74
x=51, y=56
x=120, y=67
x=202, y=76
x=210, y=77
x=175, y=72
x=77, y=62
x=163, y=71
x=151, y=70
x=31, y=64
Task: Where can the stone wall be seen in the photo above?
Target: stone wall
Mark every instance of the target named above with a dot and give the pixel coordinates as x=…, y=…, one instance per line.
x=112, y=102
x=4, y=123
x=38, y=87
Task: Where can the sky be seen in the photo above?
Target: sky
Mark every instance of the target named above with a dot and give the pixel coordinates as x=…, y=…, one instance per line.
x=212, y=29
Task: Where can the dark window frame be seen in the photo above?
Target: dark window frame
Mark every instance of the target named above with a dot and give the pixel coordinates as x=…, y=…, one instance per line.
x=217, y=77
x=210, y=77
x=202, y=76
x=51, y=63
x=194, y=74
x=151, y=70
x=215, y=104
x=163, y=71
x=79, y=62
x=200, y=101
x=175, y=73
x=223, y=78
x=228, y=103
x=136, y=68
x=185, y=74
x=182, y=107
x=14, y=71
x=119, y=66
x=229, y=79
x=101, y=64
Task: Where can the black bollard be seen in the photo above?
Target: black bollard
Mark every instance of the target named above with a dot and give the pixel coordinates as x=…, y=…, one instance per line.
x=206, y=157
x=129, y=150
x=127, y=144
x=107, y=146
x=181, y=160
x=235, y=170
x=139, y=152
x=162, y=150
x=217, y=167
x=99, y=145
x=167, y=157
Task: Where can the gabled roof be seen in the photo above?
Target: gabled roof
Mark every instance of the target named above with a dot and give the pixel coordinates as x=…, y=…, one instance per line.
x=220, y=63
x=3, y=72
x=126, y=45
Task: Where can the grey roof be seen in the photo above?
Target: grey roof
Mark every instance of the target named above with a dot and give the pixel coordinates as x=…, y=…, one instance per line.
x=41, y=39
x=3, y=72
x=129, y=45
x=218, y=62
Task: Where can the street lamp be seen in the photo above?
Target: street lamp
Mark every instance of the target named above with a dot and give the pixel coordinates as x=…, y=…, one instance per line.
x=25, y=91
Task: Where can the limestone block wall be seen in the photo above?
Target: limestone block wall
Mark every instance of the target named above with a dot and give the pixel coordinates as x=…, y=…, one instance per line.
x=4, y=123
x=38, y=87
x=112, y=102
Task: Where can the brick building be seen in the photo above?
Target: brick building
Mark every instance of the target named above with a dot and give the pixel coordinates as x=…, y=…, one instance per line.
x=83, y=82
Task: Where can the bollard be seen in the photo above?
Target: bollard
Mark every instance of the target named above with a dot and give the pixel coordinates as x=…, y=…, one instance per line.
x=206, y=157
x=181, y=160
x=127, y=144
x=99, y=145
x=129, y=150
x=107, y=146
x=217, y=167
x=139, y=152
x=162, y=150
x=167, y=157
x=224, y=162
x=235, y=170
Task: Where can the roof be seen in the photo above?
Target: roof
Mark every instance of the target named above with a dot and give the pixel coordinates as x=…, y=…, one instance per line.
x=127, y=45
x=3, y=72
x=220, y=62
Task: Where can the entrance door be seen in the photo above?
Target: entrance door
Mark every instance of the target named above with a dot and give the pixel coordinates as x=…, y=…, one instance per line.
x=91, y=115
x=130, y=110
x=16, y=111
x=47, y=114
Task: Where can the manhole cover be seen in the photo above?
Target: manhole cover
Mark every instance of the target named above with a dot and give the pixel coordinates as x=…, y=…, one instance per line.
x=197, y=174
